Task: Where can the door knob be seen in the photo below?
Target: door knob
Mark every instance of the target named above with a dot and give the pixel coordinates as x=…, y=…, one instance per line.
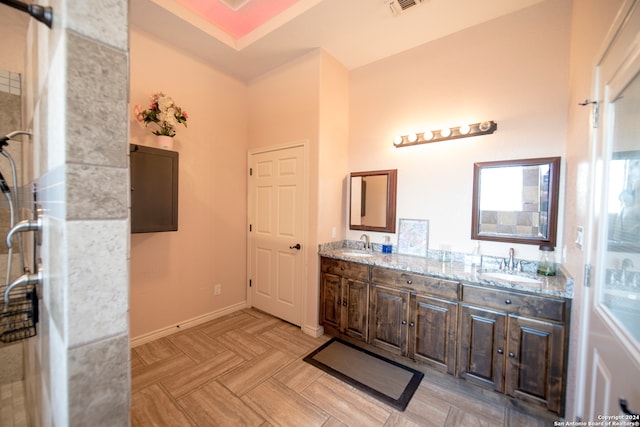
x=296, y=246
x=625, y=408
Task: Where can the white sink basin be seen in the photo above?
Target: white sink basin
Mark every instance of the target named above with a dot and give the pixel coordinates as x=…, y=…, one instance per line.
x=508, y=277
x=356, y=253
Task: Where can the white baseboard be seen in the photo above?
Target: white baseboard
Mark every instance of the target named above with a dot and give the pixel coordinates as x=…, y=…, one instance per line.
x=313, y=331
x=151, y=336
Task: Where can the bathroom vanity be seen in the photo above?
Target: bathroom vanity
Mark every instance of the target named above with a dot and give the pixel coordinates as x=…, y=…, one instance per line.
x=507, y=333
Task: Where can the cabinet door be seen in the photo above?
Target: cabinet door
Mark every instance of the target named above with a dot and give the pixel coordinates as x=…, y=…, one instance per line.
x=432, y=331
x=330, y=300
x=355, y=301
x=535, y=365
x=482, y=344
x=388, y=317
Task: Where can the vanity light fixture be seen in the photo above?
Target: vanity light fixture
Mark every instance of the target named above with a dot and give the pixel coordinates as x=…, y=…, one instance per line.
x=463, y=131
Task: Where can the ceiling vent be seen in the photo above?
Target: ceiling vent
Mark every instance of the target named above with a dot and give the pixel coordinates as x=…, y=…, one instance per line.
x=399, y=6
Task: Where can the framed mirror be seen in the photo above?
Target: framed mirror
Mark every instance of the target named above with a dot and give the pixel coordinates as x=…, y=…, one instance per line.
x=373, y=200
x=624, y=202
x=516, y=201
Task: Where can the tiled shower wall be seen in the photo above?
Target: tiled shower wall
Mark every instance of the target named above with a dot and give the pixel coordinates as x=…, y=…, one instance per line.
x=77, y=370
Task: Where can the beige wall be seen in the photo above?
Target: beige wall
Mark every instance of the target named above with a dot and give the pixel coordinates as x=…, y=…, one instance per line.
x=513, y=70
x=13, y=31
x=173, y=273
x=349, y=120
x=306, y=100
x=332, y=170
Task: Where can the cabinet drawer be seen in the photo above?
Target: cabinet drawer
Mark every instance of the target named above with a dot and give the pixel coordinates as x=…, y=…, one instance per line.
x=417, y=282
x=350, y=270
x=514, y=302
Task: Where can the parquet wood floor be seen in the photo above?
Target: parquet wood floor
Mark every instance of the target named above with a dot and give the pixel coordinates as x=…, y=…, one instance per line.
x=246, y=369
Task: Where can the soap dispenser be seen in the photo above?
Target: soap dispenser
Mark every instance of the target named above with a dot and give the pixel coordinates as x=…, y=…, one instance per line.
x=546, y=264
x=386, y=246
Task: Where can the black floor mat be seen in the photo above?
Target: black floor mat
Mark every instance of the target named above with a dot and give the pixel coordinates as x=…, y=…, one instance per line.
x=384, y=379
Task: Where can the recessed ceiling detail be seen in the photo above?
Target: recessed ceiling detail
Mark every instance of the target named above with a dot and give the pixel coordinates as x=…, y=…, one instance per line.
x=235, y=4
x=354, y=32
x=238, y=18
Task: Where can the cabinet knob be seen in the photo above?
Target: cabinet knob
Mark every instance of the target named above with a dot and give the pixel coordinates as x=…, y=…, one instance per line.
x=404, y=322
x=411, y=325
x=500, y=351
x=507, y=301
x=344, y=303
x=409, y=282
x=511, y=354
x=342, y=267
x=339, y=302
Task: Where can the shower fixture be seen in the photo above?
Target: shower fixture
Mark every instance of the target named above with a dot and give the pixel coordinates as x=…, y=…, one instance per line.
x=19, y=314
x=8, y=137
x=26, y=225
x=43, y=14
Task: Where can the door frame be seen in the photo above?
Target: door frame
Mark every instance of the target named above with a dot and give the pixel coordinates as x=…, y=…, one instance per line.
x=594, y=232
x=305, y=221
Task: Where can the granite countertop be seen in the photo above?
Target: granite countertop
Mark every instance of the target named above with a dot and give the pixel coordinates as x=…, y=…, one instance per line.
x=560, y=285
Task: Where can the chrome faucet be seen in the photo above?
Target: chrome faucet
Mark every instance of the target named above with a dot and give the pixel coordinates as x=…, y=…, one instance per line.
x=511, y=263
x=367, y=244
x=626, y=265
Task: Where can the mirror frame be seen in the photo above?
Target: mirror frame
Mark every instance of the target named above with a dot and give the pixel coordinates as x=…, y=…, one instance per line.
x=552, y=208
x=392, y=181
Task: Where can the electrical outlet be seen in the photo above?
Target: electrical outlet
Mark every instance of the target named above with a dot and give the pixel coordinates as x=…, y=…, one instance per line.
x=579, y=236
x=217, y=289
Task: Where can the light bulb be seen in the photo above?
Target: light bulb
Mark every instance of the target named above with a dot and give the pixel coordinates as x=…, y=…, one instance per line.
x=428, y=135
x=445, y=132
x=397, y=140
x=464, y=129
x=484, y=126
x=412, y=137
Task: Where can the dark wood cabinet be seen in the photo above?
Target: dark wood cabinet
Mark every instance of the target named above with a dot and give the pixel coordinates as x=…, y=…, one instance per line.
x=344, y=298
x=389, y=314
x=482, y=344
x=535, y=361
x=432, y=331
x=410, y=316
x=508, y=341
x=521, y=356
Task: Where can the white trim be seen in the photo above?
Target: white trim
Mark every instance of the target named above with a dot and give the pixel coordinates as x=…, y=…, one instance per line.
x=614, y=30
x=301, y=143
x=160, y=333
x=313, y=331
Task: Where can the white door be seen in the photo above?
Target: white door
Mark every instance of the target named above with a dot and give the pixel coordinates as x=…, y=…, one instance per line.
x=613, y=344
x=277, y=198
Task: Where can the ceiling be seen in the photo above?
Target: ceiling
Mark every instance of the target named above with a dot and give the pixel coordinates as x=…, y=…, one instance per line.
x=246, y=38
x=260, y=35
x=355, y=32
